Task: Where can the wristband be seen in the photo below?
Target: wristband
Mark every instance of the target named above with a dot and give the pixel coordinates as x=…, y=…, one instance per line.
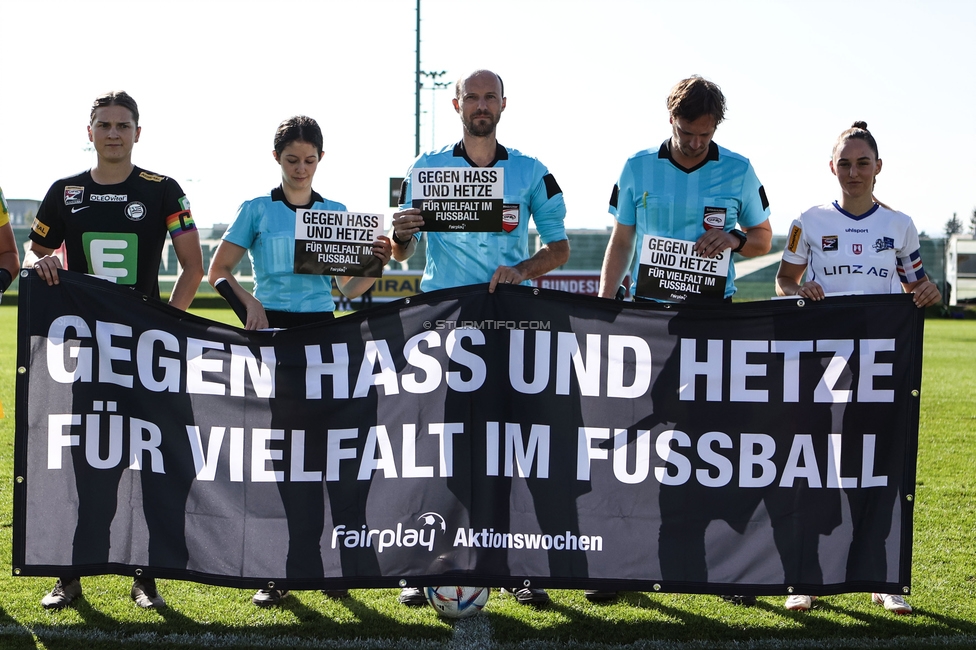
x=742, y=237
x=397, y=240
x=5, y=279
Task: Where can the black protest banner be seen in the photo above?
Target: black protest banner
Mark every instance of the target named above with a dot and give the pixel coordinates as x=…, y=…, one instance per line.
x=471, y=437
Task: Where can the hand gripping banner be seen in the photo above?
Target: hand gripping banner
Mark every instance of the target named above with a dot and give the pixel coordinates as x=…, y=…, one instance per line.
x=483, y=439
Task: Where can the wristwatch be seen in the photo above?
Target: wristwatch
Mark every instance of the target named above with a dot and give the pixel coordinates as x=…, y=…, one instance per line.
x=741, y=237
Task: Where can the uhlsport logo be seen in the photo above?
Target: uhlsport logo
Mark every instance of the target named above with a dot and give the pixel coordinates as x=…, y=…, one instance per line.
x=383, y=538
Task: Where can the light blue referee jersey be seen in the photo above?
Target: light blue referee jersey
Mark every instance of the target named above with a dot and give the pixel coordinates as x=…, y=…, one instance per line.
x=663, y=199
x=456, y=259
x=265, y=226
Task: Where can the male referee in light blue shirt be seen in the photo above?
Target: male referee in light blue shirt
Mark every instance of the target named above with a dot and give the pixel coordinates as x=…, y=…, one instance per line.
x=669, y=192
x=664, y=192
x=456, y=259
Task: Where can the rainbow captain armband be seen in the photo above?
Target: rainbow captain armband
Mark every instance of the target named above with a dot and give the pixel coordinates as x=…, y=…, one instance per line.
x=179, y=223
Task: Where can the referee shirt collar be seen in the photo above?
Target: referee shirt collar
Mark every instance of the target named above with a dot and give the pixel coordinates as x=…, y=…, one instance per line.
x=278, y=194
x=665, y=152
x=501, y=153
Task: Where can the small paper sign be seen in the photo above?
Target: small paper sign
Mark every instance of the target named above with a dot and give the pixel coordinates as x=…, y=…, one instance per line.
x=459, y=199
x=670, y=270
x=337, y=243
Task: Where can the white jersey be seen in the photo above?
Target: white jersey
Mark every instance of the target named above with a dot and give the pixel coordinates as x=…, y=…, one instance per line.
x=872, y=253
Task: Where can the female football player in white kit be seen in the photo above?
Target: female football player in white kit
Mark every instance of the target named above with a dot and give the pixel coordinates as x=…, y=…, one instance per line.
x=855, y=232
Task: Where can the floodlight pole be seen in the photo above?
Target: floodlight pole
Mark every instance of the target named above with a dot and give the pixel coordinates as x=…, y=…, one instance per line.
x=417, y=89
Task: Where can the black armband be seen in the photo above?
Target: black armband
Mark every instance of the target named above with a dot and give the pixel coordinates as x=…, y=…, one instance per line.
x=397, y=240
x=5, y=279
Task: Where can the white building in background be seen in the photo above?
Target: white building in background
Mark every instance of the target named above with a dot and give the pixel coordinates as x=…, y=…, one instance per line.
x=960, y=268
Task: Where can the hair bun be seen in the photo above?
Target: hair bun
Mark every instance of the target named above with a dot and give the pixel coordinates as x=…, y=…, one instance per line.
x=860, y=125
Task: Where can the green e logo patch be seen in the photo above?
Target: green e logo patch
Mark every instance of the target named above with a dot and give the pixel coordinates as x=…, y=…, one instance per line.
x=112, y=255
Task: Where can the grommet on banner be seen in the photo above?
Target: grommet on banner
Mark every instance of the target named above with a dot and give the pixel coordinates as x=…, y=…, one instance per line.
x=406, y=301
x=657, y=587
x=906, y=590
x=21, y=370
x=535, y=292
x=20, y=479
x=138, y=572
x=271, y=584
x=915, y=393
x=801, y=303
x=16, y=572
x=402, y=583
x=23, y=273
x=909, y=497
x=789, y=590
x=526, y=583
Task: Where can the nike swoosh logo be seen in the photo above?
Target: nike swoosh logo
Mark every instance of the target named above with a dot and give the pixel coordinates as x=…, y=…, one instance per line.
x=73, y=210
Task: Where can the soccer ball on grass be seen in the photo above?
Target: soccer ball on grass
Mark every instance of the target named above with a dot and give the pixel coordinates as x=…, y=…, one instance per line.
x=457, y=602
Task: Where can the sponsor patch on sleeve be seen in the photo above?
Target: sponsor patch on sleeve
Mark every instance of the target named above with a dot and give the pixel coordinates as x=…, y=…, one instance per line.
x=795, y=233
x=40, y=228
x=155, y=178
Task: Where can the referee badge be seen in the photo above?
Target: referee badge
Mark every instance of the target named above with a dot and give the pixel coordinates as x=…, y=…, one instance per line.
x=510, y=216
x=714, y=218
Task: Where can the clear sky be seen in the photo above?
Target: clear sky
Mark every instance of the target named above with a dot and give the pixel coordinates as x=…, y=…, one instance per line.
x=586, y=82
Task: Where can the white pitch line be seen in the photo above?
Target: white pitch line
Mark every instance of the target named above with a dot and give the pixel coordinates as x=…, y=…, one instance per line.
x=470, y=633
x=474, y=632
x=208, y=640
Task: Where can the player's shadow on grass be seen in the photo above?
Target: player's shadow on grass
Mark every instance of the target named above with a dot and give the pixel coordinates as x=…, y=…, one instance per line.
x=720, y=620
x=909, y=625
x=14, y=635
x=954, y=624
x=677, y=623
